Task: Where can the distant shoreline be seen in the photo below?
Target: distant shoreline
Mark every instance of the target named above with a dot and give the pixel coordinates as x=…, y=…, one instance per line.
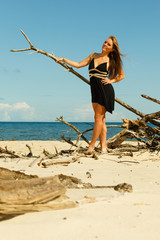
x=48, y=130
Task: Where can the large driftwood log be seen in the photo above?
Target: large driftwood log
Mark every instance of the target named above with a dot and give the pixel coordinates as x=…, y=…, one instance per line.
x=22, y=196
x=6, y=174
x=29, y=195
x=30, y=191
x=8, y=211
x=116, y=140
x=52, y=56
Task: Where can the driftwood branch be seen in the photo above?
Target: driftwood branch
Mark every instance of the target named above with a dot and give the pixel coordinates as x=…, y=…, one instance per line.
x=130, y=108
x=68, y=141
x=11, y=153
x=73, y=127
x=49, y=55
x=30, y=154
x=147, y=117
x=150, y=98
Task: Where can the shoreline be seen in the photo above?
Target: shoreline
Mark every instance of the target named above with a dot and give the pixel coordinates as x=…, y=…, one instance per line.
x=110, y=215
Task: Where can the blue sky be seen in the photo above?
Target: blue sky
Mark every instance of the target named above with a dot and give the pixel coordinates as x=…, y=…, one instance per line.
x=35, y=88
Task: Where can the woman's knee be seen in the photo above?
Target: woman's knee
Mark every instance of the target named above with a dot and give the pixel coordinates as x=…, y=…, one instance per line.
x=104, y=124
x=99, y=113
x=104, y=129
x=98, y=116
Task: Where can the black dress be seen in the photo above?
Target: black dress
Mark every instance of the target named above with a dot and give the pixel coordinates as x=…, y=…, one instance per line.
x=102, y=94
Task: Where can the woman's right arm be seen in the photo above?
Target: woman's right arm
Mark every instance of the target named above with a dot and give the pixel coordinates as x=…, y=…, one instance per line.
x=83, y=63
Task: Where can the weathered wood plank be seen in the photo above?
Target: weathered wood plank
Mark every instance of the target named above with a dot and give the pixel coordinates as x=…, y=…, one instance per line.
x=29, y=191
x=6, y=174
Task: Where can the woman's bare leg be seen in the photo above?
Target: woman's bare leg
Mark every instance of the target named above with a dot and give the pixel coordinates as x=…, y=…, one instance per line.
x=98, y=124
x=103, y=136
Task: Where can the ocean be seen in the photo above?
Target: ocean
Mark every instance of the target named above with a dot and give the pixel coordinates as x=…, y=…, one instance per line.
x=44, y=131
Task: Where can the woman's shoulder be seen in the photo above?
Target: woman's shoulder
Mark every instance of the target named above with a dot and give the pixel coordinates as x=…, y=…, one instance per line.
x=93, y=55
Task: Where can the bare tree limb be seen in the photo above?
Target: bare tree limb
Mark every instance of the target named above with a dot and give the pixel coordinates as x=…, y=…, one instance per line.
x=6, y=151
x=117, y=126
x=73, y=127
x=130, y=108
x=78, y=75
x=20, y=50
x=150, y=98
x=68, y=141
x=136, y=111
x=30, y=154
x=151, y=116
x=51, y=56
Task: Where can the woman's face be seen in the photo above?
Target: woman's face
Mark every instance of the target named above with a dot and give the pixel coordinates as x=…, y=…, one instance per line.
x=107, y=46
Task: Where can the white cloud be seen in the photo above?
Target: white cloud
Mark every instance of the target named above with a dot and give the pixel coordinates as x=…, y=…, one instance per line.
x=21, y=106
x=115, y=117
x=83, y=113
x=20, y=111
x=4, y=106
x=86, y=113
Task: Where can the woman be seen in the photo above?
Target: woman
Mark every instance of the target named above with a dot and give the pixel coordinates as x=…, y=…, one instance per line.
x=105, y=68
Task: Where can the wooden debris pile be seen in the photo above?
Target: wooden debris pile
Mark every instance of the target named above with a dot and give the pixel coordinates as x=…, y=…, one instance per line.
x=139, y=129
x=145, y=129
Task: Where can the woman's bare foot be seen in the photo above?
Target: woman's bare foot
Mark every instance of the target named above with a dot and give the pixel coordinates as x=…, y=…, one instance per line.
x=104, y=149
x=90, y=149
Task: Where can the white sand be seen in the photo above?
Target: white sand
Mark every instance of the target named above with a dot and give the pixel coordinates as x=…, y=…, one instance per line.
x=114, y=216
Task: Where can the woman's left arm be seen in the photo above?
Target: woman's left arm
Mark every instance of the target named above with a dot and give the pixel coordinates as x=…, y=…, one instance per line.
x=118, y=78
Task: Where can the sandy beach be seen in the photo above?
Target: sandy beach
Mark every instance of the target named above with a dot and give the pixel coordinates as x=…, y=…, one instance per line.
x=111, y=215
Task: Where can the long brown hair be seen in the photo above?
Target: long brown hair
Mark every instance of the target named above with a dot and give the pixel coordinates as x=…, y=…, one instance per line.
x=115, y=65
